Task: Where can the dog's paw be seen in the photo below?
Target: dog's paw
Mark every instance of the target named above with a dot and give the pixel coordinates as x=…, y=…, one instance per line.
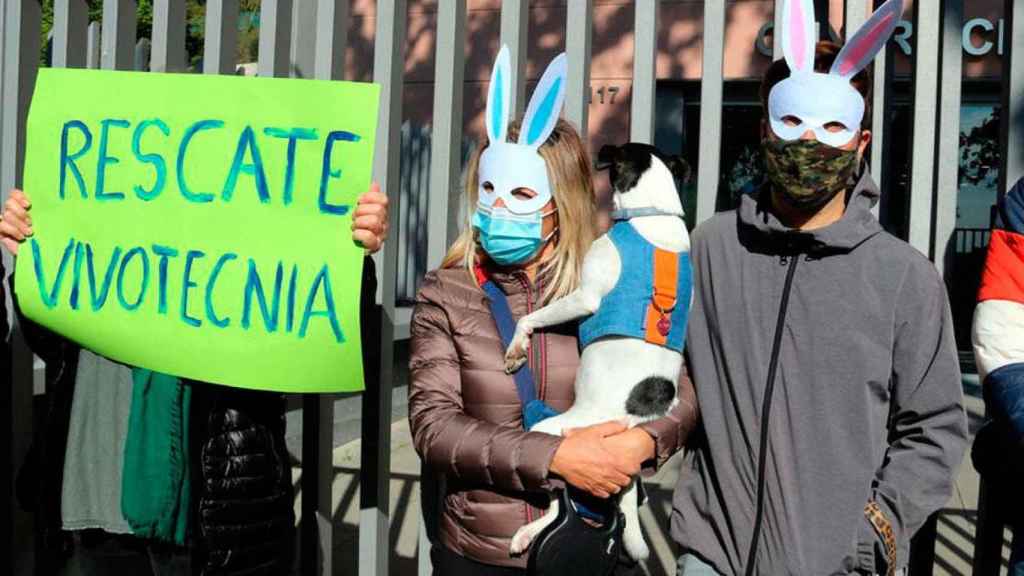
x=521, y=541
x=514, y=364
x=515, y=356
x=633, y=542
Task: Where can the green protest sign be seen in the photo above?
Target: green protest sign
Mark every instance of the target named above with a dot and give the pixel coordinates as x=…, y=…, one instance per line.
x=200, y=225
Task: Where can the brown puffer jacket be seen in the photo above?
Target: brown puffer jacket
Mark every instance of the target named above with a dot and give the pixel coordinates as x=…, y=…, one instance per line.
x=466, y=418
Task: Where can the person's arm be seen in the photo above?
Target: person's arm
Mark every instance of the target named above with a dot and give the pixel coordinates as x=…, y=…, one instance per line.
x=998, y=335
x=15, y=228
x=446, y=438
x=928, y=426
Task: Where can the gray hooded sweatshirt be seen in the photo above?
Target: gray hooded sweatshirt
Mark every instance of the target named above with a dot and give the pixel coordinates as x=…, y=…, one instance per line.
x=866, y=402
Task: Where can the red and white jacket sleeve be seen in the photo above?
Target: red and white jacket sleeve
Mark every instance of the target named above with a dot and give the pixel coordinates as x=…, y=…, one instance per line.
x=999, y=319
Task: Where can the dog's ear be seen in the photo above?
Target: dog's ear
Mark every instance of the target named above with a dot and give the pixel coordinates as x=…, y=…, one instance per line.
x=679, y=168
x=608, y=156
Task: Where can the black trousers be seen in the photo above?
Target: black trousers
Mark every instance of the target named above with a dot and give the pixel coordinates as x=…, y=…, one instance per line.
x=448, y=563
x=97, y=553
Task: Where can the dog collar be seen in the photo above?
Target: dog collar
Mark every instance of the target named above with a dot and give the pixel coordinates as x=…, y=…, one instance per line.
x=629, y=213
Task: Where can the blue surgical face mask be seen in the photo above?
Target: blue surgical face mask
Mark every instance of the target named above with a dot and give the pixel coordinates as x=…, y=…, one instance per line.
x=510, y=238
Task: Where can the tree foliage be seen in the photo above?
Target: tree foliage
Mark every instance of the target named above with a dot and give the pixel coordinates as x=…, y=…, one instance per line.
x=195, y=20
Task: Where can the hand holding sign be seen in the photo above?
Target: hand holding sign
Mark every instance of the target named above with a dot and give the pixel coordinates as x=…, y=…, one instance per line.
x=202, y=236
x=15, y=222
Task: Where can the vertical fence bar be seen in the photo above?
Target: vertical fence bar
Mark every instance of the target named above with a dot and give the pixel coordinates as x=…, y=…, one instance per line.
x=1012, y=122
x=93, y=41
x=324, y=58
x=445, y=176
x=302, y=55
x=515, y=21
x=926, y=86
x=777, y=31
x=579, y=26
x=947, y=165
x=446, y=137
x=221, y=37
x=331, y=39
x=118, y=38
x=711, y=109
x=70, y=22
x=20, y=57
x=168, y=53
x=275, y=37
x=374, y=497
x=880, y=140
x=855, y=15
x=645, y=53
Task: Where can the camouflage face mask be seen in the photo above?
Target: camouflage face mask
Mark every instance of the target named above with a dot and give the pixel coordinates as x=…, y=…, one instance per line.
x=808, y=173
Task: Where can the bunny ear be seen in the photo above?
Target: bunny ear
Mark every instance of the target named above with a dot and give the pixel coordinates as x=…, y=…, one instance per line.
x=798, y=35
x=866, y=43
x=498, y=97
x=545, y=104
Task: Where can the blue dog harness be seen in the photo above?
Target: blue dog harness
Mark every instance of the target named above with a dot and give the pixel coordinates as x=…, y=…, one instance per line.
x=651, y=302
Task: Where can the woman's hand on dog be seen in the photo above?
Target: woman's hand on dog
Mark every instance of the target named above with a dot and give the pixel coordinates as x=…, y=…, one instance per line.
x=635, y=445
x=583, y=461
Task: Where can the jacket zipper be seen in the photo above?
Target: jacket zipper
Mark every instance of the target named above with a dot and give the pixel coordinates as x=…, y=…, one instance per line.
x=766, y=405
x=529, y=309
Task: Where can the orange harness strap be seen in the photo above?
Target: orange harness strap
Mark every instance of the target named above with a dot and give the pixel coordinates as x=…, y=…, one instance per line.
x=663, y=302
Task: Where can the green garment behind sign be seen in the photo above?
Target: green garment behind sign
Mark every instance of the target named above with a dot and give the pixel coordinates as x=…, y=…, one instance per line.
x=155, y=481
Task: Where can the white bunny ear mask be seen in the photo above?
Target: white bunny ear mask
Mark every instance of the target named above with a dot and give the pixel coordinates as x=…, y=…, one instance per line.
x=817, y=99
x=507, y=166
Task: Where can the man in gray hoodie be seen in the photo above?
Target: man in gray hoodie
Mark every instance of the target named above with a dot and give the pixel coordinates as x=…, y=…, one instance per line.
x=821, y=348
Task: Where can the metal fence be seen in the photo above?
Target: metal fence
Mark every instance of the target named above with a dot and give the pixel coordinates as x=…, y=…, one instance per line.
x=308, y=38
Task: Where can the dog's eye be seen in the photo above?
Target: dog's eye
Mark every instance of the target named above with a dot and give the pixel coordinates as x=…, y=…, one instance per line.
x=488, y=187
x=523, y=194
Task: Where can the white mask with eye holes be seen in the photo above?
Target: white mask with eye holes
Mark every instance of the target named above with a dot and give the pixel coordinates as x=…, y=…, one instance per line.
x=507, y=167
x=827, y=104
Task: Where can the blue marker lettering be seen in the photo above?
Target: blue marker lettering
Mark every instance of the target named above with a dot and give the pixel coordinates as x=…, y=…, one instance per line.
x=68, y=160
x=188, y=284
x=141, y=253
x=247, y=141
x=163, y=252
x=210, y=314
x=77, y=275
x=326, y=173
x=50, y=297
x=290, y=312
x=158, y=162
x=253, y=285
x=98, y=299
x=185, y=140
x=293, y=136
x=322, y=278
x=103, y=160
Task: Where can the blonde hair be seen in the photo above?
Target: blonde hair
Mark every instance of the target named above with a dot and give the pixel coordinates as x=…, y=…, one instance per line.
x=572, y=188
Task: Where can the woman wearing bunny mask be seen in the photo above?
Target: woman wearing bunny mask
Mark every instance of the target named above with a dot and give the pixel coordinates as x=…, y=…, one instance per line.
x=820, y=346
x=533, y=218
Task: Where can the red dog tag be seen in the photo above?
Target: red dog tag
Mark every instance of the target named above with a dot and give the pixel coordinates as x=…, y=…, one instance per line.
x=664, y=325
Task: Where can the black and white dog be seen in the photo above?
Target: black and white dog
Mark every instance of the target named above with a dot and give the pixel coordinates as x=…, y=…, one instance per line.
x=632, y=342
